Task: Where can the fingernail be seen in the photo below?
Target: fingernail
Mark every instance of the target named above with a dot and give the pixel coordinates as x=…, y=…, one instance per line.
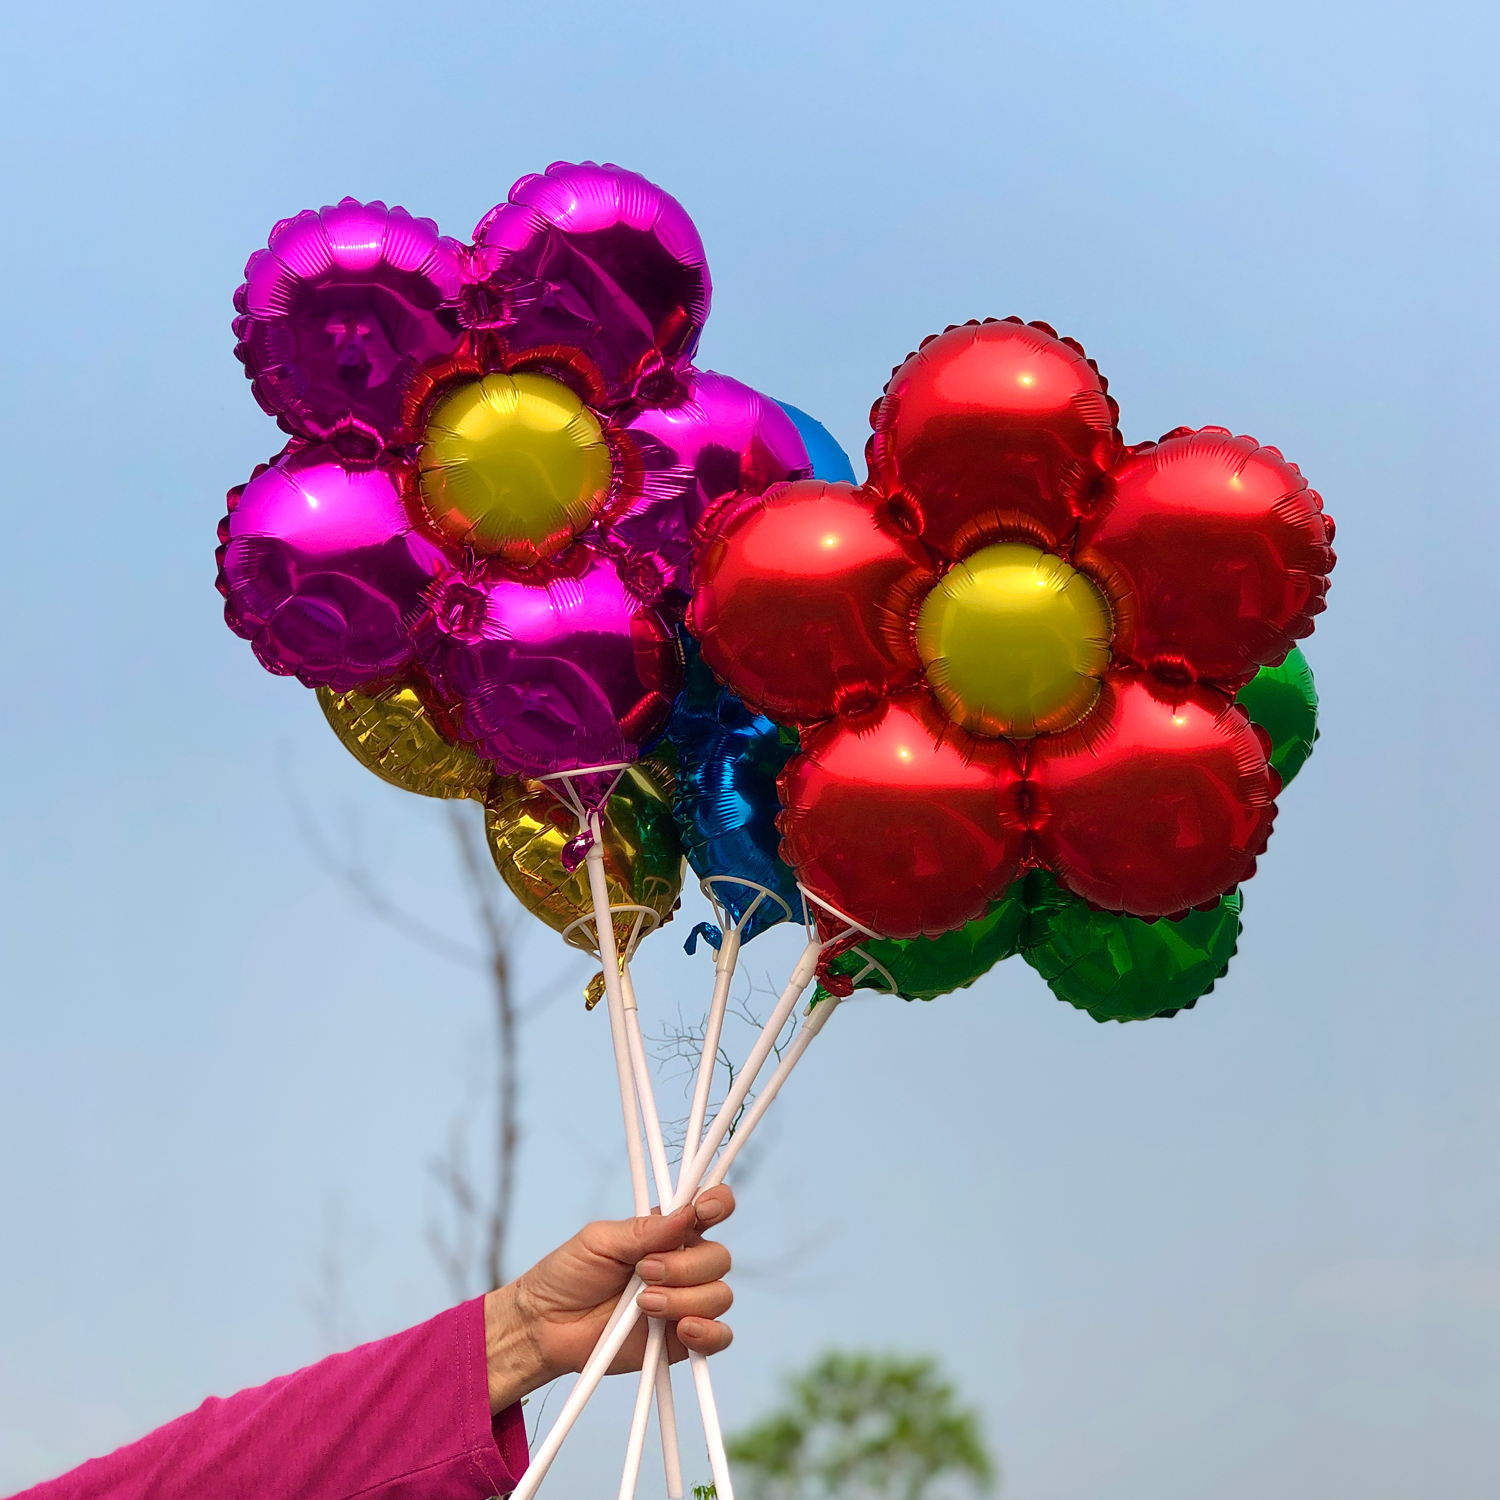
x=708, y=1212
x=653, y=1302
x=691, y=1327
x=651, y=1270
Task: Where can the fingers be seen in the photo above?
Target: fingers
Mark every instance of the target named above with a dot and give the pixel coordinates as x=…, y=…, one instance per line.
x=707, y=1301
x=631, y=1240
x=714, y=1206
x=701, y=1336
x=707, y=1260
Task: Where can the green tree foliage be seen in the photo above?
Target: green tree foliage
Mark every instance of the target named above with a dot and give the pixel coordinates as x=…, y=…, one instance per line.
x=865, y=1427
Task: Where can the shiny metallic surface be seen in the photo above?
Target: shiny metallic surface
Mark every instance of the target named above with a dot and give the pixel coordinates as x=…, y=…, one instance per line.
x=1214, y=552
x=323, y=571
x=555, y=667
x=527, y=827
x=395, y=732
x=1014, y=641
x=514, y=466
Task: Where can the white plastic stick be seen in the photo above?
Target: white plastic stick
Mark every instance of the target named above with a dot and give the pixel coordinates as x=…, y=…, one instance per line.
x=718, y=1460
x=630, y=1068
x=613, y=1340
x=713, y=1031
x=604, y=936
x=810, y=1028
x=666, y=1420
x=653, y=1368
x=655, y=1342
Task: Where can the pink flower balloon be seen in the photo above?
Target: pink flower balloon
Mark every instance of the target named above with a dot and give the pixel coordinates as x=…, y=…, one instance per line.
x=354, y=322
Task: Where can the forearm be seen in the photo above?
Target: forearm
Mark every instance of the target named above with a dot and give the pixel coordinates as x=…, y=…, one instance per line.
x=408, y=1416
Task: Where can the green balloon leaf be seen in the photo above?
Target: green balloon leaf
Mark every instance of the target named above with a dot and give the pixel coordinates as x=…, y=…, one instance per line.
x=924, y=968
x=1121, y=968
x=1284, y=702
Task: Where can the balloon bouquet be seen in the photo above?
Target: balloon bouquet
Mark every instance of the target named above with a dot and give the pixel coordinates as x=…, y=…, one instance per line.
x=1026, y=690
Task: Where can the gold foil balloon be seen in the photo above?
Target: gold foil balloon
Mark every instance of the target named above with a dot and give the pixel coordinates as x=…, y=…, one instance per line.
x=392, y=732
x=1014, y=641
x=513, y=465
x=527, y=828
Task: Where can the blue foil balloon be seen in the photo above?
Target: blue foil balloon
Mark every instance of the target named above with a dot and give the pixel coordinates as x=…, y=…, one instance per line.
x=728, y=759
x=828, y=460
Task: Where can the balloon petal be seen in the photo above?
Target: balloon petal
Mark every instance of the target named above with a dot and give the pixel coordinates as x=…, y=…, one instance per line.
x=322, y=571
x=399, y=734
x=1120, y=968
x=1284, y=702
x=804, y=600
x=560, y=667
x=338, y=313
x=1160, y=800
x=598, y=261
x=1214, y=554
x=720, y=439
x=996, y=431
x=902, y=821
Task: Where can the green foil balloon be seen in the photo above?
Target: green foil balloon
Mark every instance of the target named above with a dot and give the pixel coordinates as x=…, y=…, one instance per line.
x=926, y=967
x=1284, y=702
x=1121, y=968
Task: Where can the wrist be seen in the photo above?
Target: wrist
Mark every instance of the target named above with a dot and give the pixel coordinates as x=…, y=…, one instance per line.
x=512, y=1357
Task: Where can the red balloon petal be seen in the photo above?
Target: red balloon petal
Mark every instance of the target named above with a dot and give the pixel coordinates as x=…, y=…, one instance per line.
x=804, y=599
x=902, y=821
x=1214, y=554
x=1156, y=802
x=994, y=430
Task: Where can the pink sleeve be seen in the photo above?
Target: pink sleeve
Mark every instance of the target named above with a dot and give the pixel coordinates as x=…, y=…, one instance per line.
x=407, y=1418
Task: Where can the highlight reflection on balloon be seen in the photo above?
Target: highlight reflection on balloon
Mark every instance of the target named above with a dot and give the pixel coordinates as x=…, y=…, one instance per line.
x=527, y=827
x=395, y=732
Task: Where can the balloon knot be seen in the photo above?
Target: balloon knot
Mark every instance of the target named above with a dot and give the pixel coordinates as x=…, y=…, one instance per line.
x=837, y=984
x=575, y=851
x=710, y=935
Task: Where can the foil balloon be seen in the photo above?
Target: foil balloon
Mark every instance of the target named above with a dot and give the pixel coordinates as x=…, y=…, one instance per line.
x=925, y=968
x=397, y=732
x=564, y=662
x=828, y=460
x=728, y=761
x=1283, y=701
x=1120, y=968
x=1018, y=643
x=323, y=571
x=499, y=454
x=528, y=829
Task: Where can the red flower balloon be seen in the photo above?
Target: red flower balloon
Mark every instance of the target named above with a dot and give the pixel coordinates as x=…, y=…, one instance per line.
x=1017, y=644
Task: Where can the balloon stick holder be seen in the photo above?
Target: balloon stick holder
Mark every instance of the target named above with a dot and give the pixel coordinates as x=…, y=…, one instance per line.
x=564, y=785
x=712, y=885
x=811, y=906
x=583, y=932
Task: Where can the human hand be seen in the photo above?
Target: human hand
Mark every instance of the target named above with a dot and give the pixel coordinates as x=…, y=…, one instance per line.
x=546, y=1322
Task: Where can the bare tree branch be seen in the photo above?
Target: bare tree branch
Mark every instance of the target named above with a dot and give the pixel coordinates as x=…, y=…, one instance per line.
x=472, y=1248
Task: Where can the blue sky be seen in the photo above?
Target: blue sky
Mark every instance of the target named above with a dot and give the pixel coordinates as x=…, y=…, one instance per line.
x=1254, y=1249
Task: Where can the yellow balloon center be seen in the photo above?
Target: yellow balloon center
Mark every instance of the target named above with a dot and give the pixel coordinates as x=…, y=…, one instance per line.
x=1014, y=642
x=513, y=465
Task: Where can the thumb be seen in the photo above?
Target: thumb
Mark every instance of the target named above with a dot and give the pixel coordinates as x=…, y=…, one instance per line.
x=627, y=1240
